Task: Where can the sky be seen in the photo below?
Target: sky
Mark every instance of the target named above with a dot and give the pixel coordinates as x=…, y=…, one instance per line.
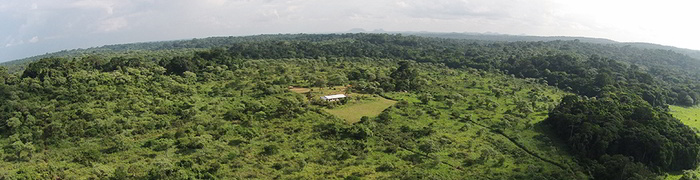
x=35, y=27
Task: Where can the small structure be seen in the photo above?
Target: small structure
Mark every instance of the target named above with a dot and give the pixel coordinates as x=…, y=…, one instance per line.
x=333, y=97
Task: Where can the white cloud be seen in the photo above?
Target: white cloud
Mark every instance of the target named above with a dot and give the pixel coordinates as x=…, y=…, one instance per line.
x=99, y=22
x=106, y=5
x=215, y=2
x=268, y=15
x=34, y=39
x=113, y=24
x=13, y=42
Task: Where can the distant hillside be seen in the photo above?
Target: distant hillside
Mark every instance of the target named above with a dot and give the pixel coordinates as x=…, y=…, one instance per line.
x=121, y=49
x=512, y=38
x=692, y=53
x=205, y=43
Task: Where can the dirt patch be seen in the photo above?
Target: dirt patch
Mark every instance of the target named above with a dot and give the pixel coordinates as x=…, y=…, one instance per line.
x=300, y=90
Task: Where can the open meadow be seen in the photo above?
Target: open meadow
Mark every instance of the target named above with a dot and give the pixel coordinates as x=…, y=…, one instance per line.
x=355, y=111
x=688, y=115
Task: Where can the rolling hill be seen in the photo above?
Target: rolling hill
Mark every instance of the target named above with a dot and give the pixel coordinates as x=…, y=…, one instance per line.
x=227, y=107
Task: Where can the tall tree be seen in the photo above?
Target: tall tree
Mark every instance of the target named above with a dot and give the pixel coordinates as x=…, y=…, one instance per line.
x=404, y=77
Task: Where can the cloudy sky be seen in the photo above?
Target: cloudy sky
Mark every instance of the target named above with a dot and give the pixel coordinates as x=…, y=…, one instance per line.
x=33, y=27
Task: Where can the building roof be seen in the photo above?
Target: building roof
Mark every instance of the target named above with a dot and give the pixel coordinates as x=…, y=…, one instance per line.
x=337, y=96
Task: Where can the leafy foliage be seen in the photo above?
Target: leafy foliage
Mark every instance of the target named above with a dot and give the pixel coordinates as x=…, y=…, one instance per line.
x=621, y=124
x=174, y=110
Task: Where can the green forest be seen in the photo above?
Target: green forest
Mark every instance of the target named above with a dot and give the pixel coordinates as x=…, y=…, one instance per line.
x=416, y=108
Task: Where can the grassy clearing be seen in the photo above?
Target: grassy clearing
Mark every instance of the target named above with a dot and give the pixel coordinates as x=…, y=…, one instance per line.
x=300, y=90
x=689, y=116
x=352, y=113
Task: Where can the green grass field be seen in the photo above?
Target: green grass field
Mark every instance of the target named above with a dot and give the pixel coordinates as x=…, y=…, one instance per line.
x=352, y=113
x=300, y=90
x=689, y=116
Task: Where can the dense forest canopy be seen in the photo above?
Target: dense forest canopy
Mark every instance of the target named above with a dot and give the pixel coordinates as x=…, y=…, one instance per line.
x=223, y=108
x=659, y=76
x=625, y=124
x=144, y=121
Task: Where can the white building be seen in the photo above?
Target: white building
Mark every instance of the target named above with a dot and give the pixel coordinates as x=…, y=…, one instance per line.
x=333, y=97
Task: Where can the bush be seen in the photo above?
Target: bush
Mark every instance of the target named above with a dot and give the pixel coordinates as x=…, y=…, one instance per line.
x=270, y=150
x=390, y=149
x=385, y=167
x=189, y=143
x=88, y=156
x=384, y=118
x=625, y=125
x=159, y=144
x=690, y=175
x=120, y=174
x=427, y=147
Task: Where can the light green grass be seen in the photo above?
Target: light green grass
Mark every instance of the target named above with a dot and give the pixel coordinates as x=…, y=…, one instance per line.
x=674, y=176
x=300, y=90
x=689, y=116
x=352, y=113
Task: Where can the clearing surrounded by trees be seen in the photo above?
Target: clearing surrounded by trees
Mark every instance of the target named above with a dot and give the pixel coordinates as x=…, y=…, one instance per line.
x=355, y=111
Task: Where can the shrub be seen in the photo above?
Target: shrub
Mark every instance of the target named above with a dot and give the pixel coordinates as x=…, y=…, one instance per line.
x=270, y=150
